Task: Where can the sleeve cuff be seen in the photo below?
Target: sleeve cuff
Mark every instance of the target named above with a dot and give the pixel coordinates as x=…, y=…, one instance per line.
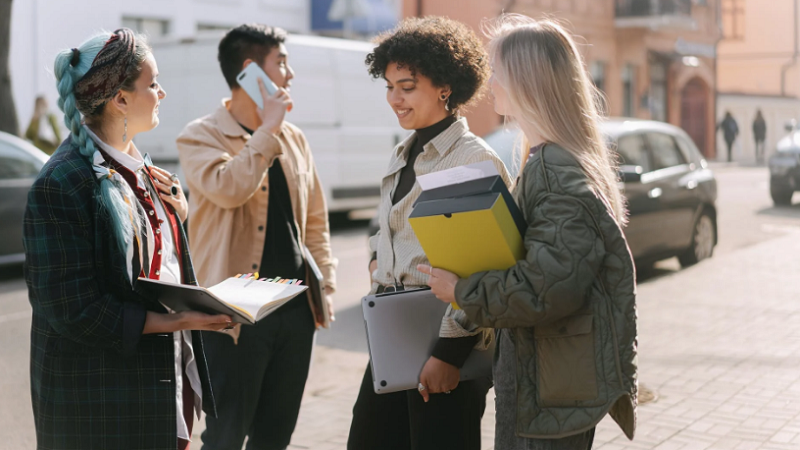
x=267, y=144
x=454, y=351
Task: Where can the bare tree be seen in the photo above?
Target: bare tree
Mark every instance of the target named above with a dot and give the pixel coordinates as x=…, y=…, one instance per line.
x=8, y=113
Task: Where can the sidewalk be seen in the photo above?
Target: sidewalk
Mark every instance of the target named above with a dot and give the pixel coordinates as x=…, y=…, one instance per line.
x=719, y=343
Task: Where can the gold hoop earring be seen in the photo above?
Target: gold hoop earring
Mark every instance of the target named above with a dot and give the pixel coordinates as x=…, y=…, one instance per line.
x=125, y=133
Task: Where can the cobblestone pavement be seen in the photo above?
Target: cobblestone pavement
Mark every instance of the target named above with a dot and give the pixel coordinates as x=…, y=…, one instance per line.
x=719, y=344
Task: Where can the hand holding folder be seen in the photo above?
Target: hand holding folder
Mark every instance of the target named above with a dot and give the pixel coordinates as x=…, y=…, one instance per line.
x=467, y=221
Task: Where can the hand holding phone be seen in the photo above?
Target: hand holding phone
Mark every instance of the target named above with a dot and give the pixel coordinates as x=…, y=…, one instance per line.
x=272, y=102
x=248, y=80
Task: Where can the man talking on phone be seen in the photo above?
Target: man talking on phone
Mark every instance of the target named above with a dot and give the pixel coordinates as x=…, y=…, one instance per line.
x=255, y=201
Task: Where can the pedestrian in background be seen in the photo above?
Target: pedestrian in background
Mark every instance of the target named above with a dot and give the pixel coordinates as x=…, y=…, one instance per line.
x=565, y=315
x=730, y=129
x=433, y=68
x=760, y=135
x=110, y=368
x=256, y=202
x=43, y=129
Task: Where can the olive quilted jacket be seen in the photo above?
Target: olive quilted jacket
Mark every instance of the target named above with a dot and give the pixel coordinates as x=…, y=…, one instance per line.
x=571, y=304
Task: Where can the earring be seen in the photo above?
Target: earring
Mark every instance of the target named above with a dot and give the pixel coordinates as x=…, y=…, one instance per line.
x=446, y=101
x=125, y=133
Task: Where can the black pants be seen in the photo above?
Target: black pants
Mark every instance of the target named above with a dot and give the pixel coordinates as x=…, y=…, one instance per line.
x=759, y=152
x=730, y=150
x=403, y=421
x=258, y=384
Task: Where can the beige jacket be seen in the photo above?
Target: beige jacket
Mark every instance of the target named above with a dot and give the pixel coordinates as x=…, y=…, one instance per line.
x=226, y=172
x=397, y=247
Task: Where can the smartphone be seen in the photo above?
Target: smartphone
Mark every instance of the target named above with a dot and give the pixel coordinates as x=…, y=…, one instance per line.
x=248, y=80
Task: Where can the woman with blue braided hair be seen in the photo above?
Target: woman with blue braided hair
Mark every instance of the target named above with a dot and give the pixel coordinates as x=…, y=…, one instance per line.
x=110, y=366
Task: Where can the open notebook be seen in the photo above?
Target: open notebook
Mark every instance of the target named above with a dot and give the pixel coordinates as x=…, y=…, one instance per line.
x=245, y=300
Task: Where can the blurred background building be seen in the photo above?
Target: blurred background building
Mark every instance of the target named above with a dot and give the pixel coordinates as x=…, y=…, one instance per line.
x=759, y=68
x=40, y=28
x=653, y=59
x=685, y=62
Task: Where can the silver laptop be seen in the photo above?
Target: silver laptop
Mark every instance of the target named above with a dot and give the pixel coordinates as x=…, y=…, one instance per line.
x=402, y=329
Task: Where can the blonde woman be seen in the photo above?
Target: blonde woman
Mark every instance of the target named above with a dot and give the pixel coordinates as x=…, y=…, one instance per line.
x=565, y=314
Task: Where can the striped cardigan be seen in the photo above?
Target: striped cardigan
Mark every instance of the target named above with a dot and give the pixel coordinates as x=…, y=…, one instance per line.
x=398, y=250
x=96, y=381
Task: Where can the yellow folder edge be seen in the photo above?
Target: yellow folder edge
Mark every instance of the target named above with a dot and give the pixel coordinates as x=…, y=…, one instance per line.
x=437, y=233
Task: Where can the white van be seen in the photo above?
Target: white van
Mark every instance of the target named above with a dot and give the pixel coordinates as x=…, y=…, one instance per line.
x=341, y=110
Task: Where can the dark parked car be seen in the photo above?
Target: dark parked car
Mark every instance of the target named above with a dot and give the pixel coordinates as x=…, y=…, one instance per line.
x=671, y=192
x=784, y=168
x=20, y=162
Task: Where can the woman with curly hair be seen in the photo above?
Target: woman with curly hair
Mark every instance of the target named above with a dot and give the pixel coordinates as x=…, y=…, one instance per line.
x=433, y=68
x=110, y=367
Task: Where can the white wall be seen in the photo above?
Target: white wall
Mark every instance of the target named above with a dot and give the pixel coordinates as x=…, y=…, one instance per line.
x=41, y=28
x=777, y=111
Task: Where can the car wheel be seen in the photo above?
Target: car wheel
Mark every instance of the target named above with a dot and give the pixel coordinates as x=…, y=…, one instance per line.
x=781, y=195
x=703, y=241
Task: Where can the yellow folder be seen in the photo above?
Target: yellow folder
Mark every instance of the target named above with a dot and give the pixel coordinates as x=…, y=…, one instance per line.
x=468, y=235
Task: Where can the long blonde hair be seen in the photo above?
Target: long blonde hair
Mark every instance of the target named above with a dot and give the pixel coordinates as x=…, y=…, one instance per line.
x=538, y=64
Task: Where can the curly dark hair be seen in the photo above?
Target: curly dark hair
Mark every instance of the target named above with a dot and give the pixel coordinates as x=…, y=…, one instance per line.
x=444, y=50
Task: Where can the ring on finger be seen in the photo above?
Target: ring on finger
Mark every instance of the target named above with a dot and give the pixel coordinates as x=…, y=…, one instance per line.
x=174, y=177
x=421, y=387
x=174, y=190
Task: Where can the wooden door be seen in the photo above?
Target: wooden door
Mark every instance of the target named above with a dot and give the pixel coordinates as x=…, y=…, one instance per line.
x=694, y=113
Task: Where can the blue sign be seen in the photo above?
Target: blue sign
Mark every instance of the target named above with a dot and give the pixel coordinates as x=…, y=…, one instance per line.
x=383, y=16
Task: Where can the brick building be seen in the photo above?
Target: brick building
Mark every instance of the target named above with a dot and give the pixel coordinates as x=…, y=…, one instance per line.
x=653, y=59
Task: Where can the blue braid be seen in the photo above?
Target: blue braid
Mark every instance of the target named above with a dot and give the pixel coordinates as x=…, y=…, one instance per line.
x=109, y=192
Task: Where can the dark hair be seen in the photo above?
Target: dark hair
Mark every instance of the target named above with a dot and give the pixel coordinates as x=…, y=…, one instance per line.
x=444, y=50
x=249, y=41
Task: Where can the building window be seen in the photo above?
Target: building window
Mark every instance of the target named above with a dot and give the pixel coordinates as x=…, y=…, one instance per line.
x=629, y=90
x=148, y=27
x=733, y=19
x=598, y=72
x=658, y=90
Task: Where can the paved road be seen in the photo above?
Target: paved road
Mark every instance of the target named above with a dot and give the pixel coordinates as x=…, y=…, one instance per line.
x=747, y=221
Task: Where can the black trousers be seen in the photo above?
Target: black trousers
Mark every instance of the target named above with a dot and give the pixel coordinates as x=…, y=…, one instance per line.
x=403, y=421
x=729, y=144
x=759, y=151
x=258, y=384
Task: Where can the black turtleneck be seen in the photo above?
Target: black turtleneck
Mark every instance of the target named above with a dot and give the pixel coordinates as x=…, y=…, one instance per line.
x=424, y=135
x=454, y=351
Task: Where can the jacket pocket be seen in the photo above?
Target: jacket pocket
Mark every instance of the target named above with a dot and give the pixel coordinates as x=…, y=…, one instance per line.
x=565, y=362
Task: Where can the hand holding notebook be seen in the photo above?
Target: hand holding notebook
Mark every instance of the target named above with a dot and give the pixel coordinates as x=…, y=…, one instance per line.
x=246, y=300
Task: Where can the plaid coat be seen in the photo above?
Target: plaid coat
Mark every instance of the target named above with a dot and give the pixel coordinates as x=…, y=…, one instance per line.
x=96, y=381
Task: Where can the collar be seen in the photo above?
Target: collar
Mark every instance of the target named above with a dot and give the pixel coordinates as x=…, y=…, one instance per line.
x=132, y=163
x=228, y=124
x=427, y=134
x=442, y=142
